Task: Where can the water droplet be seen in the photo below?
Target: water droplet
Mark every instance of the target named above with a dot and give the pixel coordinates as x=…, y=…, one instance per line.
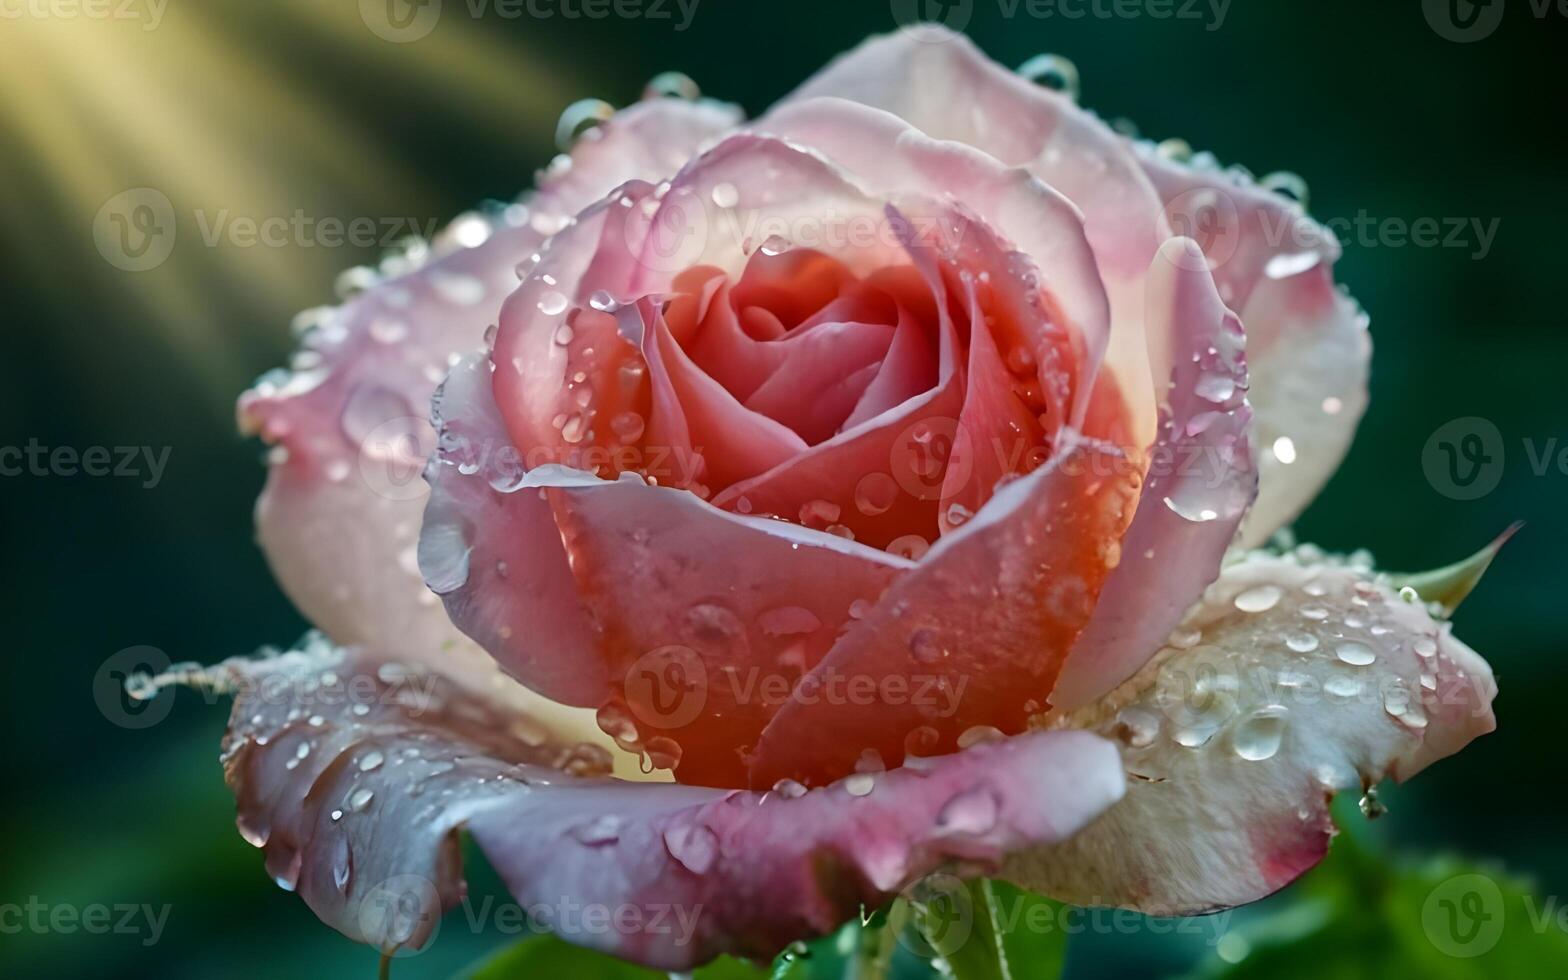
x=775, y=245
x=860, y=784
x=922, y=742
x=371, y=761
x=789, y=789
x=1185, y=639
x=1285, y=450
x=1287, y=184
x=671, y=85
x=1053, y=72
x=1371, y=806
x=604, y=829
x=971, y=812
x=957, y=514
x=1139, y=727
x=725, y=195
x=1426, y=647
x=819, y=513
x=1259, y=599
x=693, y=845
x=553, y=303
x=1258, y=736
x=578, y=118
x=615, y=722
x=1287, y=264
x=979, y=734
x=926, y=647
x=360, y=799
x=875, y=494
x=1301, y=642
x=1197, y=515
x=1356, y=654
x=1216, y=387
x=1316, y=613
x=602, y=301
x=911, y=546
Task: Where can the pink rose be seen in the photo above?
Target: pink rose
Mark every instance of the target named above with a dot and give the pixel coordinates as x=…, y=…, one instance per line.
x=870, y=469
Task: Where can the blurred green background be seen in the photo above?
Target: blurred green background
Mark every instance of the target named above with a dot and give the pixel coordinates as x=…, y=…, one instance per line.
x=268, y=108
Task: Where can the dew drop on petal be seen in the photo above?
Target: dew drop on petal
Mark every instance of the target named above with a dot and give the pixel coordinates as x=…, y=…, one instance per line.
x=693, y=845
x=1258, y=736
x=875, y=494
x=1259, y=599
x=789, y=789
x=1301, y=642
x=1355, y=654
x=926, y=647
x=860, y=784
x=1054, y=72
x=971, y=812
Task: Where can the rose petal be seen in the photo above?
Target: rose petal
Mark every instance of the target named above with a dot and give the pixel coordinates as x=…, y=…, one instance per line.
x=574, y=583
x=1199, y=485
x=358, y=802
x=1290, y=681
x=340, y=514
x=1307, y=344
x=972, y=637
x=944, y=86
x=892, y=158
x=634, y=245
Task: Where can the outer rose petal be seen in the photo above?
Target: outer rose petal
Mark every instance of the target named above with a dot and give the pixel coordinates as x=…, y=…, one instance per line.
x=358, y=807
x=1291, y=682
x=973, y=636
x=341, y=511
x=1307, y=343
x=1199, y=484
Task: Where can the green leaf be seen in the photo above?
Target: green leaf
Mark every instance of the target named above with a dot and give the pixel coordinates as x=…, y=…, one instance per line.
x=984, y=930
x=547, y=956
x=1448, y=586
x=1361, y=917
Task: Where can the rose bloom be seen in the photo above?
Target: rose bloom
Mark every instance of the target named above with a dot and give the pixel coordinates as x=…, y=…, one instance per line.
x=817, y=502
